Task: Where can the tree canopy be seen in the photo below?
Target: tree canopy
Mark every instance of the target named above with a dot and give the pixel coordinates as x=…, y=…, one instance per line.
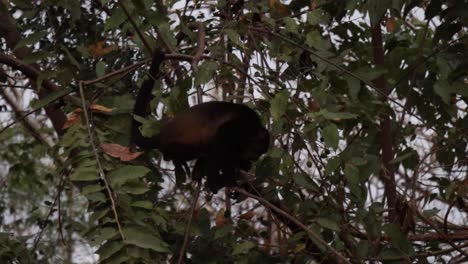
x=366, y=103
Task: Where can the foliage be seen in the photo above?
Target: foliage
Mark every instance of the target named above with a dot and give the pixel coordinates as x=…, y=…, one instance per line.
x=311, y=69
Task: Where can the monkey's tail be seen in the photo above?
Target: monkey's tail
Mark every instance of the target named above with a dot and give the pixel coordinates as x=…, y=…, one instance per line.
x=142, y=101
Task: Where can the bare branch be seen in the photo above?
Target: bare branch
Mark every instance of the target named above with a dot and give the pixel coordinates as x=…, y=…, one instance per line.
x=98, y=161
x=337, y=257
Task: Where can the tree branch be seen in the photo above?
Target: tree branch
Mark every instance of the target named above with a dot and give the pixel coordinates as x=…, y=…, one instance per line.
x=316, y=239
x=387, y=172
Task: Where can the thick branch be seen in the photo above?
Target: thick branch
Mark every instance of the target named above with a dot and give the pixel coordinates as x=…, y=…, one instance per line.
x=31, y=125
x=387, y=173
x=57, y=117
x=9, y=31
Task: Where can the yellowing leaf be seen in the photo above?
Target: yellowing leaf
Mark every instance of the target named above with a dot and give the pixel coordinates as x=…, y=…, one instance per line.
x=73, y=118
x=391, y=24
x=247, y=216
x=100, y=108
x=220, y=220
x=98, y=50
x=119, y=151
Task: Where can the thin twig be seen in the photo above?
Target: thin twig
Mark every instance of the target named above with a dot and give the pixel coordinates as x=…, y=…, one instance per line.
x=28, y=87
x=29, y=124
x=20, y=119
x=189, y=223
x=60, y=220
x=32, y=73
x=198, y=53
x=441, y=233
x=338, y=258
x=123, y=70
x=350, y=73
x=98, y=162
x=447, y=215
x=49, y=213
x=138, y=31
x=200, y=41
x=126, y=69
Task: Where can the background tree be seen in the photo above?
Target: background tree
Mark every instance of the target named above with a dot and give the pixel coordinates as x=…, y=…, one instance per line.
x=366, y=102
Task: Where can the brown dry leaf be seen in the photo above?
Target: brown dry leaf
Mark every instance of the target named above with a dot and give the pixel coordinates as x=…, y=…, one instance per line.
x=279, y=8
x=98, y=50
x=220, y=220
x=247, y=216
x=100, y=108
x=313, y=4
x=314, y=105
x=228, y=87
x=73, y=118
x=119, y=151
x=391, y=24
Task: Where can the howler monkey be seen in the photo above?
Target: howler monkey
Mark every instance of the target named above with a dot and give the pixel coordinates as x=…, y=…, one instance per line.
x=223, y=137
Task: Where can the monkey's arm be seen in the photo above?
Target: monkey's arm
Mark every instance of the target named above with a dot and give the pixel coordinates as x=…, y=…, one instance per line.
x=142, y=101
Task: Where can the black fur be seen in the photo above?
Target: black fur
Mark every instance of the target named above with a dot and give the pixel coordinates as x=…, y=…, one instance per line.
x=141, y=107
x=224, y=137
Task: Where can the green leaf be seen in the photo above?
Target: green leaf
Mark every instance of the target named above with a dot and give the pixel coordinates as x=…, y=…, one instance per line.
x=117, y=18
x=104, y=234
x=290, y=24
x=460, y=88
x=442, y=88
x=358, y=161
x=96, y=197
x=85, y=174
x=304, y=181
x=222, y=232
x=50, y=98
x=134, y=187
x=122, y=175
x=243, y=248
x=352, y=177
x=332, y=165
x=405, y=155
x=266, y=167
x=108, y=249
x=328, y=223
x=34, y=57
x=331, y=136
x=370, y=73
x=315, y=40
x=143, y=204
x=362, y=248
x=31, y=39
x=70, y=56
x=100, y=68
x=144, y=238
x=150, y=128
x=336, y=116
x=234, y=37
x=317, y=17
x=279, y=104
x=91, y=189
x=205, y=72
x=377, y=9
x=73, y=7
x=390, y=254
x=354, y=86
x=98, y=215
x=398, y=239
